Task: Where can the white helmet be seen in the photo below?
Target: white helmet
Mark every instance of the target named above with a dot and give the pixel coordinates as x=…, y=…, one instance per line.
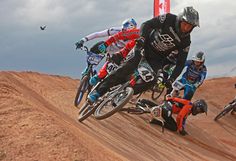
x=129, y=24
x=199, y=57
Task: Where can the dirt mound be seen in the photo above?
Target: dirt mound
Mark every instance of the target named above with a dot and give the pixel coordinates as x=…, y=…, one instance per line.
x=38, y=122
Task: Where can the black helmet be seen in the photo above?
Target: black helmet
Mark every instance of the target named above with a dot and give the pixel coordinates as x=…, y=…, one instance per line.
x=189, y=15
x=199, y=106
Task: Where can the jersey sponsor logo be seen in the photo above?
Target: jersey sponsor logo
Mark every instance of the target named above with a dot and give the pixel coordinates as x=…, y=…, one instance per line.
x=163, y=42
x=192, y=74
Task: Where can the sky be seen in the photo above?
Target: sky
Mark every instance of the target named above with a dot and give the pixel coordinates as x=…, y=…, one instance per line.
x=24, y=47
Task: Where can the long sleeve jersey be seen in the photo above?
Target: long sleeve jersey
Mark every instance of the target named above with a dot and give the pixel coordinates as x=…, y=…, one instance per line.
x=104, y=33
x=125, y=36
x=162, y=37
x=194, y=75
x=129, y=46
x=114, y=47
x=182, y=113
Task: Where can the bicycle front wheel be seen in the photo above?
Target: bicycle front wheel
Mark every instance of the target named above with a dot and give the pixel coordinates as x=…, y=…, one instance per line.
x=83, y=87
x=85, y=111
x=226, y=110
x=112, y=105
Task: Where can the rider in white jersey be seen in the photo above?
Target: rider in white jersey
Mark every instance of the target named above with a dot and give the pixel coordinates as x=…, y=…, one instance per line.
x=114, y=47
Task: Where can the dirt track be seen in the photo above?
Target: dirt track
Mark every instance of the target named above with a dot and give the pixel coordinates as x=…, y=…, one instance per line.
x=38, y=122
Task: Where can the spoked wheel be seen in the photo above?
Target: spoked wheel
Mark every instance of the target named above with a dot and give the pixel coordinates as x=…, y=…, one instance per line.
x=83, y=87
x=85, y=111
x=112, y=105
x=156, y=92
x=226, y=110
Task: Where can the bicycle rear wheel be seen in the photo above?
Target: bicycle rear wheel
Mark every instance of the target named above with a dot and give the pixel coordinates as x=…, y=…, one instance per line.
x=83, y=87
x=226, y=110
x=112, y=105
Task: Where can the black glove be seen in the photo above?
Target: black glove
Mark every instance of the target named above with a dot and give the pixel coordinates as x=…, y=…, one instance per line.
x=183, y=132
x=117, y=58
x=140, y=42
x=79, y=44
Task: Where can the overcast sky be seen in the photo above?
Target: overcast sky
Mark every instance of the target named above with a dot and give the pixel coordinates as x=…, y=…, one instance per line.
x=24, y=47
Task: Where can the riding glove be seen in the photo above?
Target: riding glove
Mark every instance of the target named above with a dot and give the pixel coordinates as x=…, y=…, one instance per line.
x=79, y=44
x=102, y=48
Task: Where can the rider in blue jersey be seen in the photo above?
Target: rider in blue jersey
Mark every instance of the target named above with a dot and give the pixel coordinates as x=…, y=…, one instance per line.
x=194, y=75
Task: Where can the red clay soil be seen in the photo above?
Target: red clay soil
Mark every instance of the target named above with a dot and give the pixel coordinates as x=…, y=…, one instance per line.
x=39, y=122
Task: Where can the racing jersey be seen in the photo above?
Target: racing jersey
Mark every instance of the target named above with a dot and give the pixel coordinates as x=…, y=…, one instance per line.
x=162, y=37
x=194, y=75
x=124, y=36
x=114, y=47
x=129, y=46
x=182, y=108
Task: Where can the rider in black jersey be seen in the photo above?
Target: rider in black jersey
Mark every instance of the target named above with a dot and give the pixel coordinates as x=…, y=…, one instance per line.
x=159, y=37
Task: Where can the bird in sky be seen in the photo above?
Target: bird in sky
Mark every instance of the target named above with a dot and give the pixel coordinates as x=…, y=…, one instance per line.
x=42, y=27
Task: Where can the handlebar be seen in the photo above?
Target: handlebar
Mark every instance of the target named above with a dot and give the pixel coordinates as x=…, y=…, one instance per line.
x=84, y=48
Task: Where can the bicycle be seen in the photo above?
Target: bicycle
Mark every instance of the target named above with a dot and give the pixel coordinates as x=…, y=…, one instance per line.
x=84, y=86
x=160, y=86
x=145, y=107
x=231, y=107
x=115, y=99
x=156, y=90
x=88, y=108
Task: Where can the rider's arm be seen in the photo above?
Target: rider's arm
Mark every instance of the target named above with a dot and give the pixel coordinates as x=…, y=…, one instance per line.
x=129, y=46
x=181, y=59
x=202, y=77
x=179, y=100
x=100, y=34
x=182, y=116
x=123, y=35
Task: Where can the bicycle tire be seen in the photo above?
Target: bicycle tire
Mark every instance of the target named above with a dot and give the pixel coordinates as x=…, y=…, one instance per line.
x=226, y=110
x=98, y=115
x=83, y=87
x=85, y=111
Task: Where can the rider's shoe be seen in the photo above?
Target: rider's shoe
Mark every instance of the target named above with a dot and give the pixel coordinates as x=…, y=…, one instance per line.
x=140, y=103
x=93, y=97
x=155, y=121
x=94, y=80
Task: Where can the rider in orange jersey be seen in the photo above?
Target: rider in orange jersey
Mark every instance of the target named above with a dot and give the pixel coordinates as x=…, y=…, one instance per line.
x=174, y=105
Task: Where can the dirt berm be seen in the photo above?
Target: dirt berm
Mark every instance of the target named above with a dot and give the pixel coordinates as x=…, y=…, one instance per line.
x=39, y=122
